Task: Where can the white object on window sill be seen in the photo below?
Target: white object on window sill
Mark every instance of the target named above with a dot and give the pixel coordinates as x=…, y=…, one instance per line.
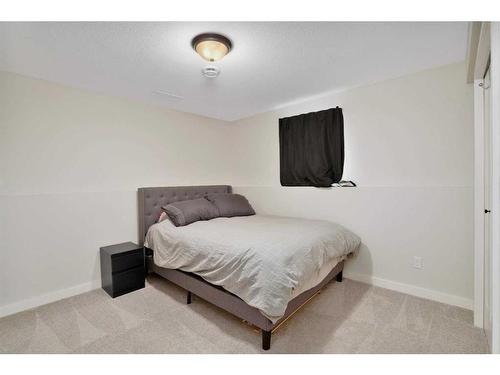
x=344, y=184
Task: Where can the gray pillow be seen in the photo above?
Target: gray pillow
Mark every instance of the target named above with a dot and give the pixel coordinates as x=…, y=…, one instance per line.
x=186, y=212
x=230, y=205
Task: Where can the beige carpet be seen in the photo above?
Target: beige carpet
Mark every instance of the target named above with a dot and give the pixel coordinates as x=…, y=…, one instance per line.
x=347, y=317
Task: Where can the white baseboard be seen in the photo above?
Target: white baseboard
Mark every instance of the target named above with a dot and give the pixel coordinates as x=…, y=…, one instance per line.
x=376, y=281
x=48, y=298
x=416, y=291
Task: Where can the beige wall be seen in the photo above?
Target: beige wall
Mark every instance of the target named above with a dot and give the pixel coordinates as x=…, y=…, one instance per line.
x=409, y=147
x=70, y=164
x=71, y=161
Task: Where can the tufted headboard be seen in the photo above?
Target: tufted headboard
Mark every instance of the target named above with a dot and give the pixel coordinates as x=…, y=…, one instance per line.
x=151, y=199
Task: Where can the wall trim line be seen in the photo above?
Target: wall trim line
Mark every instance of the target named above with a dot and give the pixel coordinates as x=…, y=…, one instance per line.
x=46, y=298
x=413, y=290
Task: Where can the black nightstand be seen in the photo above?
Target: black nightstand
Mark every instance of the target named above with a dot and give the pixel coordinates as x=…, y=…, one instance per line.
x=122, y=268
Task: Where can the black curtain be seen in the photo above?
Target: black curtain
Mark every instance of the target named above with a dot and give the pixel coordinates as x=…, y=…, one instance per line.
x=312, y=148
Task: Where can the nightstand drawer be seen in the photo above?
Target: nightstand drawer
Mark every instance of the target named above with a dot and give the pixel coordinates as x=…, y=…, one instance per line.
x=128, y=281
x=122, y=262
x=122, y=268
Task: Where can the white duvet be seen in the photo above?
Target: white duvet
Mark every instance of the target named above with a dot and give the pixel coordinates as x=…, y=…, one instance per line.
x=261, y=259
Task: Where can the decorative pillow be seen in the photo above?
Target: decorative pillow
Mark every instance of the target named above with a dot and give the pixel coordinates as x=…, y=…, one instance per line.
x=162, y=217
x=230, y=205
x=186, y=212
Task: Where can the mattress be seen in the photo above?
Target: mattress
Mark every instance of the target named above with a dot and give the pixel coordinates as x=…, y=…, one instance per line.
x=316, y=277
x=264, y=260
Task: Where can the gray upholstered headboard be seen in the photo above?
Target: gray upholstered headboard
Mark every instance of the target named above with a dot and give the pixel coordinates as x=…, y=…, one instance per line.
x=151, y=199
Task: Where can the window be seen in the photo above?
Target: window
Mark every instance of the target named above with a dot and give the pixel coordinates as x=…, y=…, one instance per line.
x=312, y=148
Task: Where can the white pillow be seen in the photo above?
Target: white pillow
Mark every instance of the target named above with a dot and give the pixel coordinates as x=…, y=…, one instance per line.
x=162, y=217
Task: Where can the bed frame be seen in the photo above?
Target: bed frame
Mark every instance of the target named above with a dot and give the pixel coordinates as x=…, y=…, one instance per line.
x=150, y=201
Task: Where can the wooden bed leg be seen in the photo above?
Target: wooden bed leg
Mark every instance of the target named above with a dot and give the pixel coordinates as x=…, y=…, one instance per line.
x=266, y=340
x=339, y=276
x=189, y=298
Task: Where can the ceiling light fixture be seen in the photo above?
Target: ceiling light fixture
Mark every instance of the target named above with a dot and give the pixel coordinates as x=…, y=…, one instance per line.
x=212, y=47
x=210, y=71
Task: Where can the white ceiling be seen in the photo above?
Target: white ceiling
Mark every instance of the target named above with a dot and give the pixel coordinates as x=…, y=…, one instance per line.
x=272, y=63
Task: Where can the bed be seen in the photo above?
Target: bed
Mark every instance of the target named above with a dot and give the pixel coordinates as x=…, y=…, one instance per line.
x=259, y=268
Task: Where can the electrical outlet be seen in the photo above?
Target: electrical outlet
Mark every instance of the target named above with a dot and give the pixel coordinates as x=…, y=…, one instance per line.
x=418, y=262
